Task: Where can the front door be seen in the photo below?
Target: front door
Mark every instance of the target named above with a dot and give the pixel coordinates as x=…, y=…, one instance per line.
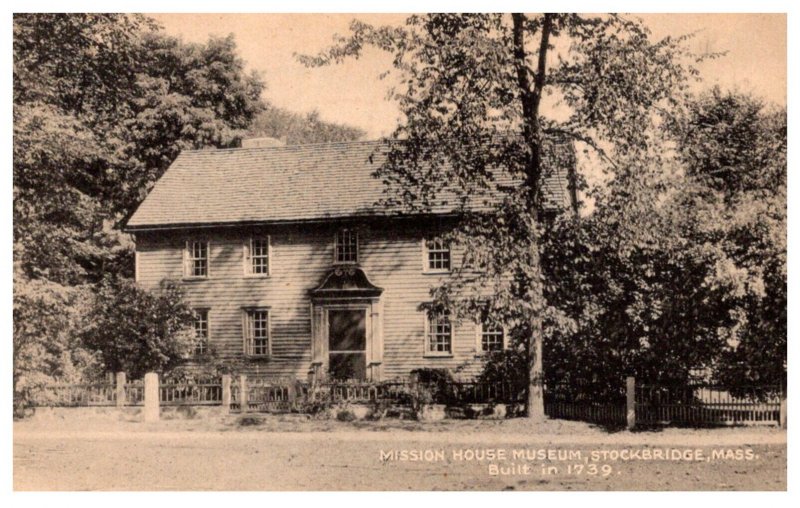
x=347, y=343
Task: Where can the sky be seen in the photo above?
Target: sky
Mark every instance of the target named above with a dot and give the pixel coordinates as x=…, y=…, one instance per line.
x=352, y=93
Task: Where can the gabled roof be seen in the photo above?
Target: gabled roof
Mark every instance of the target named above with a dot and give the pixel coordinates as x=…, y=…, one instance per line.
x=278, y=184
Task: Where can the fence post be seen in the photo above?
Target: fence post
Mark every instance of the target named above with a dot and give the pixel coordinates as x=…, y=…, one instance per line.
x=414, y=389
x=151, y=402
x=292, y=393
x=244, y=397
x=630, y=402
x=313, y=379
x=226, y=393
x=783, y=411
x=119, y=388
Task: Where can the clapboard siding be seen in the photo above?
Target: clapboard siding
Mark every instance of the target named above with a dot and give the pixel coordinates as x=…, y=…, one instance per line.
x=390, y=253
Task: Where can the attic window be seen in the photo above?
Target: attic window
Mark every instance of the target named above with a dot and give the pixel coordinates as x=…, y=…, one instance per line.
x=346, y=246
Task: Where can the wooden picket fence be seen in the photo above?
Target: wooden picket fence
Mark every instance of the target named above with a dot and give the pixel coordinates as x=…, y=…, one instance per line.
x=265, y=394
x=134, y=393
x=585, y=402
x=196, y=393
x=705, y=404
x=73, y=395
x=629, y=405
x=402, y=391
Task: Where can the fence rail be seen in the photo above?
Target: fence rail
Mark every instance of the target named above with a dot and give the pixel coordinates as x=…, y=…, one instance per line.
x=402, y=391
x=613, y=414
x=477, y=392
x=356, y=391
x=632, y=404
x=207, y=393
x=134, y=393
x=707, y=405
x=586, y=402
x=63, y=395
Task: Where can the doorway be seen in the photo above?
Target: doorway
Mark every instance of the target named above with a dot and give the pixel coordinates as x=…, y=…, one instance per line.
x=347, y=343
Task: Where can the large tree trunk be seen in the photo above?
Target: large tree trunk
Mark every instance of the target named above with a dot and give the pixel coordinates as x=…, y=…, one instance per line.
x=535, y=402
x=532, y=132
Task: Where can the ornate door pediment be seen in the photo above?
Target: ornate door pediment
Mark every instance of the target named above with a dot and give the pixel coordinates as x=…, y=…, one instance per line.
x=346, y=287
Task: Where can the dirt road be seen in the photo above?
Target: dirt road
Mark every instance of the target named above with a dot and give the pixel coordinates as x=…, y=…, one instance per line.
x=344, y=459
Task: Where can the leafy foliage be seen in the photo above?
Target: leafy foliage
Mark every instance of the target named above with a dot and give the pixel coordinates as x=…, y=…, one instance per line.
x=103, y=103
x=471, y=89
x=45, y=347
x=137, y=331
x=508, y=366
x=735, y=149
x=679, y=268
x=689, y=281
x=298, y=129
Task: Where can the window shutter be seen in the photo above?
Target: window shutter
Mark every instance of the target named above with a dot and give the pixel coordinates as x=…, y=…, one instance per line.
x=246, y=265
x=318, y=334
x=208, y=259
x=269, y=255
x=245, y=326
x=186, y=272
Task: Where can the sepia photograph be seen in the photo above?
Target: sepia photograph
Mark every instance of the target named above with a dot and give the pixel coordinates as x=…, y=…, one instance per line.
x=399, y=251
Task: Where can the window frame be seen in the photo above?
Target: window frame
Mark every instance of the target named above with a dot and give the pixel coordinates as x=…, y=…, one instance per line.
x=188, y=259
x=352, y=231
x=426, y=260
x=427, y=352
x=248, y=341
x=207, y=341
x=247, y=256
x=479, y=328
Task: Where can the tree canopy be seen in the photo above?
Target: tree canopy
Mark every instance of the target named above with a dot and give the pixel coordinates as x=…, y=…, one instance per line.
x=689, y=283
x=297, y=129
x=472, y=89
x=103, y=103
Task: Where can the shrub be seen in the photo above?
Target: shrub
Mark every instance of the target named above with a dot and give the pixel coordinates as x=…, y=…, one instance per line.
x=435, y=387
x=136, y=330
x=188, y=412
x=509, y=367
x=345, y=415
x=250, y=421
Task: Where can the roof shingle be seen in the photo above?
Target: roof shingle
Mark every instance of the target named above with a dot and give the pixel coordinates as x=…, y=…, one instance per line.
x=277, y=184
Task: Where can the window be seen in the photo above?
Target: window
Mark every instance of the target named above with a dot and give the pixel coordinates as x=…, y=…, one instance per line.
x=491, y=338
x=196, y=257
x=200, y=331
x=256, y=333
x=437, y=256
x=439, y=336
x=346, y=246
x=256, y=256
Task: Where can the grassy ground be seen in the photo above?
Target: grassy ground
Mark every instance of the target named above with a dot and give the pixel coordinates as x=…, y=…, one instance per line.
x=74, y=450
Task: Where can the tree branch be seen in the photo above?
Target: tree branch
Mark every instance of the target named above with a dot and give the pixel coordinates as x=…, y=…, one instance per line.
x=531, y=98
x=585, y=139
